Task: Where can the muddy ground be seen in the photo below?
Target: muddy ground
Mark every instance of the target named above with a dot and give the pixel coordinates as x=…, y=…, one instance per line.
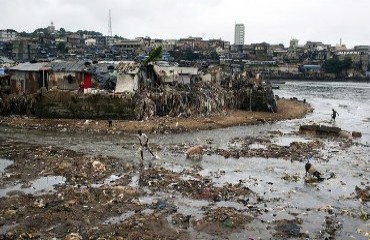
x=52, y=192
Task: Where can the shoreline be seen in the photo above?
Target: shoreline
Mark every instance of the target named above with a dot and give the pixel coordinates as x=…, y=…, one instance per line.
x=287, y=109
x=297, y=79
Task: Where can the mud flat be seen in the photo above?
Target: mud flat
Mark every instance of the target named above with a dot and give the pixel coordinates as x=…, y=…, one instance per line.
x=253, y=187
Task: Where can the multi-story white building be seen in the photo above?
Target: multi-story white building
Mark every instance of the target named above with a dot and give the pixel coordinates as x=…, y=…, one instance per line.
x=8, y=35
x=239, y=34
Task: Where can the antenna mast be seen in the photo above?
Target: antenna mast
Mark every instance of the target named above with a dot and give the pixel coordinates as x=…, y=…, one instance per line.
x=110, y=34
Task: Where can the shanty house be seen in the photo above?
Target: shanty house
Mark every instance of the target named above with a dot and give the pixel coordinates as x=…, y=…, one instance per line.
x=69, y=75
x=212, y=74
x=104, y=74
x=127, y=77
x=28, y=77
x=174, y=74
x=4, y=81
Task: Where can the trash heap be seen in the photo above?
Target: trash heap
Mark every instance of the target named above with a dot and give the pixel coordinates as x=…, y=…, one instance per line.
x=17, y=104
x=202, y=98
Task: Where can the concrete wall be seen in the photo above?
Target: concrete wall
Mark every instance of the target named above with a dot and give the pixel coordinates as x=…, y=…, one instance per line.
x=127, y=83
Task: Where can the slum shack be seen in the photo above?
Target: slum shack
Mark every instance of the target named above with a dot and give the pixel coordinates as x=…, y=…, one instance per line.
x=4, y=82
x=69, y=75
x=134, y=91
x=28, y=77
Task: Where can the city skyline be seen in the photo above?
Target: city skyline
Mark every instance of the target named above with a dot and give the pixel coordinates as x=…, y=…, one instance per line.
x=326, y=21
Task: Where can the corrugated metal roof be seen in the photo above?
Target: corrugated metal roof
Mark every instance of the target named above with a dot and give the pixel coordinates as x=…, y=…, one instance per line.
x=30, y=67
x=63, y=66
x=103, y=67
x=128, y=67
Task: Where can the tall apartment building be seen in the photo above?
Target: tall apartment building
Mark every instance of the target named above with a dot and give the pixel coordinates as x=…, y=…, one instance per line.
x=239, y=34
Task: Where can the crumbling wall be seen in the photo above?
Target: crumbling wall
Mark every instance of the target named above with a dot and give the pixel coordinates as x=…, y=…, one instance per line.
x=64, y=104
x=183, y=101
x=203, y=99
x=18, y=104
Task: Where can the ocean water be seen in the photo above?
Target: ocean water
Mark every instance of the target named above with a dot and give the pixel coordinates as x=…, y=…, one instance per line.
x=350, y=99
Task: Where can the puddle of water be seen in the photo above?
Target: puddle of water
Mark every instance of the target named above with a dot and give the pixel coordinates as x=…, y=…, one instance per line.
x=187, y=206
x=5, y=228
x=119, y=219
x=277, y=215
x=287, y=140
x=108, y=181
x=134, y=181
x=254, y=230
x=39, y=186
x=229, y=204
x=257, y=146
x=4, y=163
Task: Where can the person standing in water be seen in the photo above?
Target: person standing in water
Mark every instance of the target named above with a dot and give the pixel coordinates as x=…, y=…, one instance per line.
x=143, y=139
x=334, y=115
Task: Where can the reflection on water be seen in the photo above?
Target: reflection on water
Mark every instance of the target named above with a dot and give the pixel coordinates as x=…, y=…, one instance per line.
x=39, y=186
x=4, y=163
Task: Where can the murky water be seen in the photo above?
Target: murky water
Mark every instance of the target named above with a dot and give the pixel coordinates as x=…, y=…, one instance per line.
x=350, y=100
x=4, y=163
x=38, y=186
x=264, y=176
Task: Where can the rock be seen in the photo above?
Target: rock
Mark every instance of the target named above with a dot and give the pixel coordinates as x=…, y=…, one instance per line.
x=363, y=194
x=356, y=134
x=98, y=166
x=63, y=166
x=345, y=134
x=321, y=129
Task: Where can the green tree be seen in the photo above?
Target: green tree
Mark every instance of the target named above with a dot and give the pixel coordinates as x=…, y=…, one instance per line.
x=190, y=55
x=337, y=66
x=24, y=34
x=214, y=55
x=154, y=55
x=62, y=47
x=40, y=31
x=62, y=32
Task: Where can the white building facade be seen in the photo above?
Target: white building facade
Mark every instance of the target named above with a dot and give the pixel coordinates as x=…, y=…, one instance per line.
x=239, y=34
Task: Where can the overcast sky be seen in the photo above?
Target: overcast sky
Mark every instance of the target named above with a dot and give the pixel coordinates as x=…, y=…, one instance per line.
x=271, y=21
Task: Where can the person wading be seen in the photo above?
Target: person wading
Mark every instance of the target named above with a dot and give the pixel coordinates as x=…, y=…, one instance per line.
x=143, y=139
x=334, y=115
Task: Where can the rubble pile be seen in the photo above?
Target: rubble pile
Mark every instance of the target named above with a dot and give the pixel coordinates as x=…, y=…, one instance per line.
x=160, y=179
x=296, y=151
x=363, y=194
x=221, y=221
x=202, y=99
x=289, y=228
